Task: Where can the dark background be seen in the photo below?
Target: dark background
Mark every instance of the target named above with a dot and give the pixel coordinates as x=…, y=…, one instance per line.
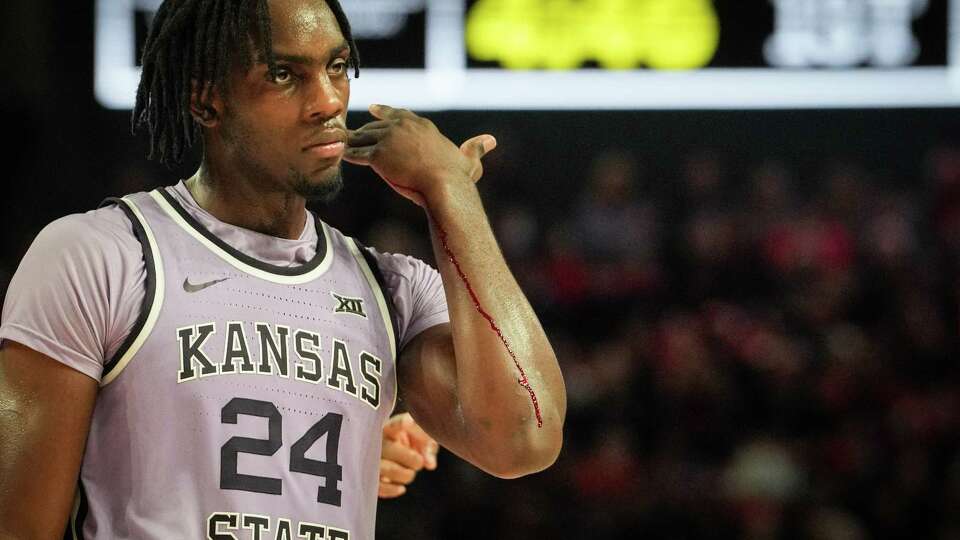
x=756, y=312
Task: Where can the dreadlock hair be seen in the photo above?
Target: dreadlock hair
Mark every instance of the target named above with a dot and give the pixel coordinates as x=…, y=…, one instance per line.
x=190, y=47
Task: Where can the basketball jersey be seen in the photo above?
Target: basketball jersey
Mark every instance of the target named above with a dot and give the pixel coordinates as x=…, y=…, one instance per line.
x=249, y=399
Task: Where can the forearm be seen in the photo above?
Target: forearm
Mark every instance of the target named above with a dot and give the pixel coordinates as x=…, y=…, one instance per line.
x=478, y=385
x=509, y=387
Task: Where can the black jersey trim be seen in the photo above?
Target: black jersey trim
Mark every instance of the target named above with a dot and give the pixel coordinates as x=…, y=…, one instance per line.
x=75, y=521
x=387, y=297
x=317, y=259
x=151, y=283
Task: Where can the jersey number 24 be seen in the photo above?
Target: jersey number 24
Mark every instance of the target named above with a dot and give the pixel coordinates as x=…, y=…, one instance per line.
x=329, y=469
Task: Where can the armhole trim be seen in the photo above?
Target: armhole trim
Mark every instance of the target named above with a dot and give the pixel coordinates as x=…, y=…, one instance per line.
x=152, y=300
x=371, y=270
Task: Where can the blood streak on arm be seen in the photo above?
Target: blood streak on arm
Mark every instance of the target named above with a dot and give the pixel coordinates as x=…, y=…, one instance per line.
x=523, y=381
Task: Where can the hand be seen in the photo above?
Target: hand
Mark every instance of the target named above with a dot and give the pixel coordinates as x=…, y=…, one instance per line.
x=406, y=450
x=411, y=154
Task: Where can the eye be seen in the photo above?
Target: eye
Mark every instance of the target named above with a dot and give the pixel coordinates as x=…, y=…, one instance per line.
x=339, y=66
x=282, y=75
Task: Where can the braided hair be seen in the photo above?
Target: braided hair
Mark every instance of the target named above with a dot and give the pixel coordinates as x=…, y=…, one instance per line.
x=195, y=42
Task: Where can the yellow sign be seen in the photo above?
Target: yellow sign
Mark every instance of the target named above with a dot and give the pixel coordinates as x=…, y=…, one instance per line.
x=618, y=34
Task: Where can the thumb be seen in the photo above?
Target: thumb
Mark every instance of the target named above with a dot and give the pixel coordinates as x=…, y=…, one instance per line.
x=479, y=146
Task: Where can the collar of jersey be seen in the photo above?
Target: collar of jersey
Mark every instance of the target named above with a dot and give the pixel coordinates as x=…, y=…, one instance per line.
x=241, y=261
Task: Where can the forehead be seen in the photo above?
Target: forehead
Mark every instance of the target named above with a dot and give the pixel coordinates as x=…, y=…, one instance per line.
x=303, y=25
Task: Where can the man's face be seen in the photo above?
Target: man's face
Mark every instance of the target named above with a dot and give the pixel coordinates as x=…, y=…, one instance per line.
x=289, y=131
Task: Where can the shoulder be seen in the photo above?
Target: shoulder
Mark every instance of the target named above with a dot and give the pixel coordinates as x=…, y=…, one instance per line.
x=76, y=289
x=416, y=290
x=406, y=275
x=399, y=266
x=96, y=232
x=91, y=255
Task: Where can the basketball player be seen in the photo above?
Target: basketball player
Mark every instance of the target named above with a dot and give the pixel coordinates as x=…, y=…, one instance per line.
x=211, y=360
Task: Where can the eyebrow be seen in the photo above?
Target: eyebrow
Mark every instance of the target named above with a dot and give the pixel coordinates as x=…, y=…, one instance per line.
x=305, y=60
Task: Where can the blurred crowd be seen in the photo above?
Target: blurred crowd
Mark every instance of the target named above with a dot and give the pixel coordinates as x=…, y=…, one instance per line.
x=757, y=357
x=750, y=351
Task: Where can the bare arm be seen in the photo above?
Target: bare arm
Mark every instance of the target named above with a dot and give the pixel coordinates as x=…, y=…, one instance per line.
x=459, y=380
x=45, y=410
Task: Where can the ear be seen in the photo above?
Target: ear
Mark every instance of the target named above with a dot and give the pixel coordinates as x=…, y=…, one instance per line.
x=205, y=104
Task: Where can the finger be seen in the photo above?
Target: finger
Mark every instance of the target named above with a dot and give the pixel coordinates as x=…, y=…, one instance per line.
x=402, y=455
x=430, y=455
x=403, y=438
x=391, y=491
x=403, y=428
x=376, y=124
x=386, y=112
x=474, y=149
x=359, y=155
x=479, y=146
x=424, y=444
x=366, y=137
x=396, y=425
x=395, y=473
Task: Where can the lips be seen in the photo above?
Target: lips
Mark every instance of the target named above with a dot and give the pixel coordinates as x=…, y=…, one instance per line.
x=329, y=150
x=328, y=145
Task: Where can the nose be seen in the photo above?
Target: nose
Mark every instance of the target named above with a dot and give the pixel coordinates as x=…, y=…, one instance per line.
x=325, y=99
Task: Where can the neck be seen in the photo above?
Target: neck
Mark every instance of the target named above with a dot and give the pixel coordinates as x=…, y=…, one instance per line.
x=247, y=203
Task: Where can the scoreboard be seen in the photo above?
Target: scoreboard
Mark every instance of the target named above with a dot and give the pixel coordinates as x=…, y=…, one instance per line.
x=618, y=54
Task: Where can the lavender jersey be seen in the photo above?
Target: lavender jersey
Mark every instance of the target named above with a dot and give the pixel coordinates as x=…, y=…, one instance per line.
x=247, y=400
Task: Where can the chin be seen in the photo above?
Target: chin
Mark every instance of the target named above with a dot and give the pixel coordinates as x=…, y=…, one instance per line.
x=322, y=189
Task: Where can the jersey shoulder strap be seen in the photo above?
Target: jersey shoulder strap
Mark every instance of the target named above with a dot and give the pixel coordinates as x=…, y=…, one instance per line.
x=151, y=300
x=385, y=293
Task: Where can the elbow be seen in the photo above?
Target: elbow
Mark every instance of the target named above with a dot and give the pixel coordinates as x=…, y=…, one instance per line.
x=532, y=453
x=528, y=464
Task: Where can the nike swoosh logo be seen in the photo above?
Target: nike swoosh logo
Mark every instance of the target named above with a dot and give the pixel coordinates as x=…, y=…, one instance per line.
x=191, y=288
